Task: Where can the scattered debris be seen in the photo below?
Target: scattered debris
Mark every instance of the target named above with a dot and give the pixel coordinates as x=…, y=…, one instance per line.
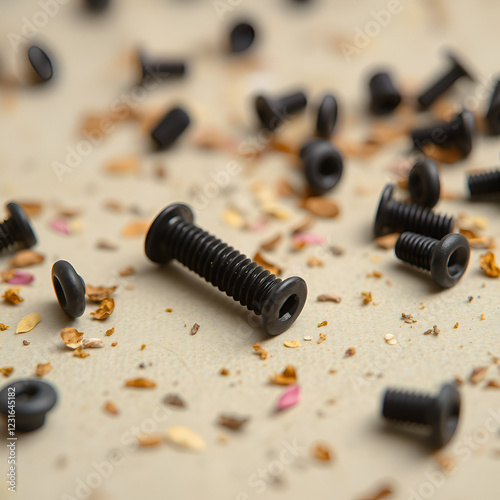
x=111, y=407
x=390, y=339
x=149, y=440
x=288, y=377
x=488, y=265
x=367, y=297
x=478, y=374
x=291, y=343
x=87, y=343
x=174, y=400
x=322, y=338
x=80, y=353
x=11, y=296
x=6, y=370
x=28, y=323
x=289, y=398
x=140, y=382
x=99, y=293
x=106, y=308
x=350, y=352
x=25, y=258
x=260, y=350
x=42, y=369
x=408, y=318
x=195, y=328
x=435, y=330
x=185, y=438
x=72, y=337
x=232, y=422
x=261, y=261
x=388, y=241
x=321, y=451
x=329, y=297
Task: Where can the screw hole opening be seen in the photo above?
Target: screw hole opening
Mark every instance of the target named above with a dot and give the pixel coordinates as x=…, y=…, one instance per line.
x=289, y=308
x=59, y=292
x=457, y=262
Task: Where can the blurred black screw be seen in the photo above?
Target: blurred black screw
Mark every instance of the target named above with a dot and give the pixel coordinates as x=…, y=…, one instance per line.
x=162, y=69
x=438, y=414
x=423, y=183
x=174, y=236
x=458, y=134
x=170, y=127
x=323, y=165
x=33, y=399
x=396, y=216
x=384, y=97
x=484, y=183
x=456, y=71
x=42, y=69
x=272, y=112
x=446, y=259
x=96, y=6
x=493, y=113
x=69, y=288
x=16, y=231
x=327, y=117
x=241, y=37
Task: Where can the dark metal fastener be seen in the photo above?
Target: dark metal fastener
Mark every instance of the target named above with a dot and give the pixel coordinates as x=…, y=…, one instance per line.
x=170, y=127
x=446, y=259
x=327, y=116
x=40, y=64
x=323, y=165
x=458, y=134
x=384, y=97
x=97, y=5
x=493, y=113
x=16, y=231
x=241, y=37
x=33, y=400
x=69, y=287
x=174, y=236
x=484, y=183
x=396, y=216
x=439, y=415
x=272, y=112
x=439, y=87
x=423, y=183
x=160, y=68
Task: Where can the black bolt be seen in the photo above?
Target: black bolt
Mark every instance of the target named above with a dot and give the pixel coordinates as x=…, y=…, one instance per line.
x=40, y=64
x=446, y=259
x=327, y=117
x=439, y=415
x=457, y=70
x=423, y=183
x=272, y=112
x=323, y=165
x=174, y=236
x=241, y=37
x=396, y=216
x=16, y=231
x=69, y=288
x=384, y=97
x=170, y=127
x=32, y=400
x=97, y=5
x=160, y=68
x=493, y=113
x=484, y=183
x=458, y=134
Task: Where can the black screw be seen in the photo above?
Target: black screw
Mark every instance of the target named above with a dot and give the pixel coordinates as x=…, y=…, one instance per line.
x=493, y=113
x=170, y=127
x=396, y=216
x=423, y=183
x=69, y=288
x=42, y=70
x=160, y=68
x=446, y=259
x=458, y=134
x=174, y=236
x=384, y=97
x=97, y=5
x=33, y=399
x=272, y=112
x=16, y=231
x=456, y=71
x=439, y=415
x=484, y=183
x=327, y=117
x=323, y=165
x=241, y=37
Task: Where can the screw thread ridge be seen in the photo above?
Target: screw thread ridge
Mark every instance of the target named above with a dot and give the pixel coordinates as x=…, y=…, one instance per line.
x=221, y=265
x=6, y=239
x=417, y=219
x=416, y=249
x=484, y=182
x=406, y=406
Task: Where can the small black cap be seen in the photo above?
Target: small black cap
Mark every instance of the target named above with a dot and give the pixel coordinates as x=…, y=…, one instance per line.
x=69, y=288
x=423, y=183
x=170, y=127
x=327, y=116
x=40, y=63
x=241, y=37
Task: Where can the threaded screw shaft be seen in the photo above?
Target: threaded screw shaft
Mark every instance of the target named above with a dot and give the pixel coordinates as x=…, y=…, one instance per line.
x=484, y=183
x=406, y=406
x=416, y=249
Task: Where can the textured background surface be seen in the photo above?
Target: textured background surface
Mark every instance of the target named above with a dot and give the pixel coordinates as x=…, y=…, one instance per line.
x=298, y=48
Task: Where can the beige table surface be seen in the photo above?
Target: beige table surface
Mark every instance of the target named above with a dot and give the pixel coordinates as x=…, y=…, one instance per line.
x=297, y=48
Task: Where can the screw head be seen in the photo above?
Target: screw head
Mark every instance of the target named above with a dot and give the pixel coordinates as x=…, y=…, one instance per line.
x=267, y=112
x=450, y=259
x=459, y=66
x=41, y=64
x=423, y=183
x=327, y=116
x=22, y=229
x=380, y=220
x=69, y=287
x=157, y=244
x=241, y=37
x=283, y=306
x=464, y=125
x=444, y=413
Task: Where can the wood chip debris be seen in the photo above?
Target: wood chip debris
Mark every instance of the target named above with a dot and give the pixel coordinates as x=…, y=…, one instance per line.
x=322, y=338
x=374, y=274
x=260, y=350
x=312, y=261
x=25, y=258
x=478, y=374
x=388, y=241
x=261, y=261
x=80, y=353
x=110, y=332
x=408, y=318
x=123, y=165
x=434, y=330
x=11, y=296
x=322, y=452
x=140, y=382
x=126, y=271
x=149, y=440
x=224, y=372
x=233, y=422
x=3, y=327
x=350, y=352
x=329, y=297
x=185, y=438
x=72, y=337
x=493, y=384
x=323, y=323
x=28, y=323
x=6, y=370
x=303, y=225
x=92, y=343
x=291, y=343
x=307, y=338
x=322, y=207
x=390, y=339
x=111, y=407
x=488, y=265
x=105, y=309
x=195, y=328
x=367, y=297
x=272, y=243
x=99, y=293
x=287, y=377
x=42, y=369
x=136, y=228
x=174, y=400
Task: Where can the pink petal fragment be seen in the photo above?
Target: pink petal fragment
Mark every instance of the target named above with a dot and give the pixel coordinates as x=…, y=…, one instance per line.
x=60, y=225
x=308, y=239
x=21, y=278
x=289, y=398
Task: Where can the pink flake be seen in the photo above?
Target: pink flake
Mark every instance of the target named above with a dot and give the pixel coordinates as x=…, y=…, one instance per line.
x=308, y=239
x=259, y=225
x=60, y=225
x=289, y=398
x=21, y=278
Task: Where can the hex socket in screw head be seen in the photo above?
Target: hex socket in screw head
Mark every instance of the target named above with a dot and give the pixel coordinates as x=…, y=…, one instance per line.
x=423, y=183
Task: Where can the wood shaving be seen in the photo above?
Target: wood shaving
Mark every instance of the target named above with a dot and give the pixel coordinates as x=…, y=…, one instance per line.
x=25, y=342
x=106, y=308
x=388, y=241
x=322, y=207
x=80, y=353
x=42, y=369
x=307, y=338
x=381, y=493
x=233, y=422
x=169, y=310
x=475, y=240
x=291, y=343
x=149, y=440
x=303, y=225
x=329, y=297
x=456, y=325
x=322, y=338
x=89, y=343
x=314, y=261
x=25, y=258
x=233, y=218
x=195, y=328
x=357, y=149
x=390, y=339
x=350, y=352
x=114, y=206
x=185, y=438
x=212, y=138
x=321, y=451
x=478, y=374
x=11, y=296
x=28, y=323
x=488, y=265
x=483, y=317
x=408, y=318
x=110, y=332
x=435, y=330
x=493, y=384
x=32, y=208
x=367, y=297
x=260, y=350
x=143, y=346
x=3, y=327
x=123, y=165
x=126, y=271
x=7, y=275
x=140, y=382
x=136, y=228
x=374, y=274
x=442, y=155
x=446, y=462
x=272, y=243
x=224, y=372
x=105, y=244
x=261, y=261
x=114, y=344
x=287, y=377
x=174, y=400
x=99, y=293
x=111, y=407
x=6, y=370
x=72, y=337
